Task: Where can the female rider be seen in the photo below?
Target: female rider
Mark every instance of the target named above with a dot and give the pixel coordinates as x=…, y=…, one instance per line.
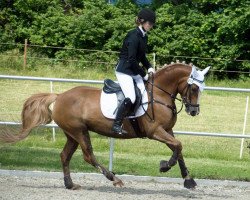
x=128, y=70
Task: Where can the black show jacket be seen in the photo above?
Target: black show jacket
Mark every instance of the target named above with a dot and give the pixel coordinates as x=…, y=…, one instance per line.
x=132, y=53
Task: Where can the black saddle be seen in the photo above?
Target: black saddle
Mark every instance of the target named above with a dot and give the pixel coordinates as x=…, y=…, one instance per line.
x=113, y=87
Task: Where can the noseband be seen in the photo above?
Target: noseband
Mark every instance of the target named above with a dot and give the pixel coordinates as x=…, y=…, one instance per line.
x=187, y=101
x=183, y=100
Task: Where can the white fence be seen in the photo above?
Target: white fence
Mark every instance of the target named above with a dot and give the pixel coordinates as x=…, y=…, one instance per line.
x=53, y=126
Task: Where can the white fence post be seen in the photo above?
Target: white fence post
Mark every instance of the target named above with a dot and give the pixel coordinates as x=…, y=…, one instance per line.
x=244, y=128
x=111, y=152
x=53, y=128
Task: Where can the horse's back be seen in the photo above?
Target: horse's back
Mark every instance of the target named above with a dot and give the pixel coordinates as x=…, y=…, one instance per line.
x=74, y=106
x=78, y=93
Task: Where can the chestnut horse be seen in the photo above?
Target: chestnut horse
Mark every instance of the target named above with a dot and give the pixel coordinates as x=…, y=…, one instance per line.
x=77, y=111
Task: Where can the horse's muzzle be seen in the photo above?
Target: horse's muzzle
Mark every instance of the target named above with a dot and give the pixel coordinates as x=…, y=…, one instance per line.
x=193, y=110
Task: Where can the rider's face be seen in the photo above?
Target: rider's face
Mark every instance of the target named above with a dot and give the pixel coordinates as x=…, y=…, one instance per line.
x=147, y=25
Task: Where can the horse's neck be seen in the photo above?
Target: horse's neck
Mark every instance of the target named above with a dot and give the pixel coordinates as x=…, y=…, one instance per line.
x=170, y=77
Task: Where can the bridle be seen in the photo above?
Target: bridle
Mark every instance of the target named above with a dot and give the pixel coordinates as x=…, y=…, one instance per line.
x=184, y=100
x=187, y=101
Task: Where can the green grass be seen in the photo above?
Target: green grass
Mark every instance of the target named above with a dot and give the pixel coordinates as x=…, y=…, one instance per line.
x=206, y=157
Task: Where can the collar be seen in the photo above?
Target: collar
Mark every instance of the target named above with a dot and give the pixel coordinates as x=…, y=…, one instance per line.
x=142, y=31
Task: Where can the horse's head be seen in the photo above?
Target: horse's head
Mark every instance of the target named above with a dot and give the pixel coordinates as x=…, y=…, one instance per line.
x=191, y=90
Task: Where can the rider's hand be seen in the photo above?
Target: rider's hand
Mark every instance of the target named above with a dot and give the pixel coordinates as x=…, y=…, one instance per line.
x=151, y=70
x=145, y=78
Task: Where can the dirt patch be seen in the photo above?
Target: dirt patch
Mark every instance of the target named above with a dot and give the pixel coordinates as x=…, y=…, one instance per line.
x=43, y=186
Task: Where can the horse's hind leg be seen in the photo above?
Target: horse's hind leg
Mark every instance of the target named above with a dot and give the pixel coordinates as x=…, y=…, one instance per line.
x=68, y=150
x=89, y=157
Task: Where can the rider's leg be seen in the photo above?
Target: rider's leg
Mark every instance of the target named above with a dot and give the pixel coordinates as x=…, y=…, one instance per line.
x=122, y=112
x=139, y=82
x=127, y=85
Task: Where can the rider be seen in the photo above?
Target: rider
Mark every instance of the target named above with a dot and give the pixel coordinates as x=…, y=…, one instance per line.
x=128, y=70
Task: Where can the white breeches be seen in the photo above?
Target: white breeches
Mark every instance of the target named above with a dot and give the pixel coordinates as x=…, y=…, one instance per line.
x=127, y=84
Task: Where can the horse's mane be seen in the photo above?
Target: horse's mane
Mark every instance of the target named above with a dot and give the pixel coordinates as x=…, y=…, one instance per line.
x=173, y=65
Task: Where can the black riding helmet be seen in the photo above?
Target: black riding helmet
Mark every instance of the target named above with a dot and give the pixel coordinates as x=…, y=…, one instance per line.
x=147, y=15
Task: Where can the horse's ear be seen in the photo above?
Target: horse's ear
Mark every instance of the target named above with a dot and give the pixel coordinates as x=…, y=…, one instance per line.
x=204, y=71
x=194, y=72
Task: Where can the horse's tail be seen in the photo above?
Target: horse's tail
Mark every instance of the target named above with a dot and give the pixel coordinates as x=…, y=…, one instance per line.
x=35, y=112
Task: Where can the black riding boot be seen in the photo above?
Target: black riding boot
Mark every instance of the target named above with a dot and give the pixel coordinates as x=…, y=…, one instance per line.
x=122, y=112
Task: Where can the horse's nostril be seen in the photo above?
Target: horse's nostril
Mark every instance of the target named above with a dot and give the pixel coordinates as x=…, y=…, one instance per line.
x=193, y=113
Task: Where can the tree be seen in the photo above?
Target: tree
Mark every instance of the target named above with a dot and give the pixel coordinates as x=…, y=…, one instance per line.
x=217, y=30
x=222, y=32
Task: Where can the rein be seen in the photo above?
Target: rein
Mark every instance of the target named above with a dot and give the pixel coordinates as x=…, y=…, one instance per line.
x=153, y=100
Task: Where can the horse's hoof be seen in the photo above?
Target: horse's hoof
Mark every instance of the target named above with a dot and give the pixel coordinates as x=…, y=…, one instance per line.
x=68, y=182
x=164, y=166
x=75, y=187
x=189, y=183
x=117, y=182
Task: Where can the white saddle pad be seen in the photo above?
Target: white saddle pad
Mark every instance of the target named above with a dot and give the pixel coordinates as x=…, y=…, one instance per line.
x=109, y=103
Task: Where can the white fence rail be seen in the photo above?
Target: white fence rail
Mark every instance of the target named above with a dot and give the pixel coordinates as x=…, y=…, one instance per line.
x=101, y=82
x=226, y=135
x=53, y=126
x=230, y=135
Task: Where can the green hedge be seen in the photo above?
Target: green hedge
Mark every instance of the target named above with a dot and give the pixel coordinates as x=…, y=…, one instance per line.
x=213, y=32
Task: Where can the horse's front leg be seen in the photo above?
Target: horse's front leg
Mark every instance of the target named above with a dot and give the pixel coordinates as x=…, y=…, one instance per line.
x=161, y=135
x=164, y=166
x=189, y=181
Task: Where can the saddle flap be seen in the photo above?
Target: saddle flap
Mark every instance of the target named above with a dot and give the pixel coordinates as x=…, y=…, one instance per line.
x=110, y=101
x=111, y=87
